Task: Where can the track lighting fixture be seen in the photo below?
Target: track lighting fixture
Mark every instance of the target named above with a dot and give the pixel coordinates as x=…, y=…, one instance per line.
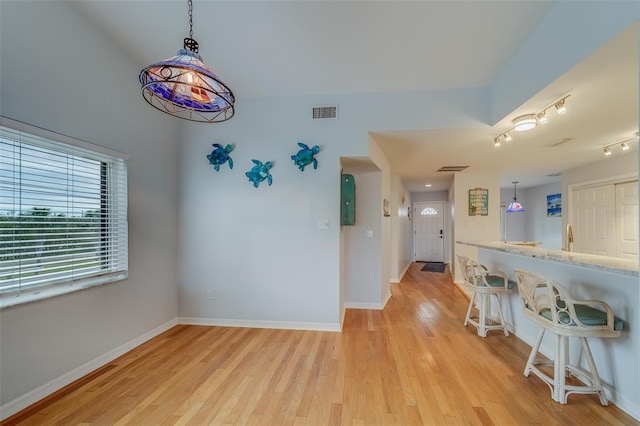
x=530, y=121
x=623, y=144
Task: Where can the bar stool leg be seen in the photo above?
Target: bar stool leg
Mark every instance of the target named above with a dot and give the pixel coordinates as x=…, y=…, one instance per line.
x=595, y=377
x=560, y=368
x=471, y=300
x=534, y=352
x=482, y=315
x=501, y=317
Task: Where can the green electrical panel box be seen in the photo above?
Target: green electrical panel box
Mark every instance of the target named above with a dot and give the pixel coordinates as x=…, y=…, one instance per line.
x=347, y=200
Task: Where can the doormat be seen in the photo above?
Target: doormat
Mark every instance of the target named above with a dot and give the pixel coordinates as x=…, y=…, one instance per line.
x=434, y=267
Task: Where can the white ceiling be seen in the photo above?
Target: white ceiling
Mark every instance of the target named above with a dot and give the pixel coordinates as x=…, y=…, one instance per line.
x=288, y=48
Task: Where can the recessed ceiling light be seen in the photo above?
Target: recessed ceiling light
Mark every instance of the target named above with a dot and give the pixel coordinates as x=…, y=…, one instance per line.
x=428, y=185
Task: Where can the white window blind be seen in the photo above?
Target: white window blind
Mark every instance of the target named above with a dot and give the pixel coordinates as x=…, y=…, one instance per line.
x=63, y=213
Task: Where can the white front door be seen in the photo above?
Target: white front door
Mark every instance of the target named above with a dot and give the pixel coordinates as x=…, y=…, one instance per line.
x=428, y=229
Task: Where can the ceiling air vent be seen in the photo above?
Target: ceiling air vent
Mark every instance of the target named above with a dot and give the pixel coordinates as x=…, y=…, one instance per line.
x=325, y=112
x=558, y=142
x=452, y=168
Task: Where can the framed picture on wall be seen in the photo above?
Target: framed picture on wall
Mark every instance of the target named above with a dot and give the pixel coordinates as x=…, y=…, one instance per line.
x=554, y=205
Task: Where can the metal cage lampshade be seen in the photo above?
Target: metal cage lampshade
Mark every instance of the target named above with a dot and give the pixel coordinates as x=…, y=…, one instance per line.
x=185, y=87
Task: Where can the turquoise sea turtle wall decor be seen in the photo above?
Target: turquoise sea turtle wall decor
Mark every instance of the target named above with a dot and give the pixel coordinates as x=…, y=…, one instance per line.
x=220, y=155
x=260, y=172
x=306, y=156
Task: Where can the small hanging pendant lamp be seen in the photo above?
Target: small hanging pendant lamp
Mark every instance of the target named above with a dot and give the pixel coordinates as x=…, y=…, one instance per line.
x=185, y=87
x=515, y=206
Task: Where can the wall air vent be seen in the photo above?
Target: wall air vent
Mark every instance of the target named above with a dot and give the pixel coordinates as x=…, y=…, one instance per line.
x=452, y=168
x=325, y=112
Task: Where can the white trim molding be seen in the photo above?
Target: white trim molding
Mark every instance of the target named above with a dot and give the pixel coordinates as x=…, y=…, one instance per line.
x=22, y=402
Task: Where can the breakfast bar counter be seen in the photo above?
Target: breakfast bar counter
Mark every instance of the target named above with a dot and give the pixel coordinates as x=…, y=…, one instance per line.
x=585, y=276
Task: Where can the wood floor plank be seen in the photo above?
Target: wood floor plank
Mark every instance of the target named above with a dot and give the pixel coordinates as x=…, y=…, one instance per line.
x=413, y=363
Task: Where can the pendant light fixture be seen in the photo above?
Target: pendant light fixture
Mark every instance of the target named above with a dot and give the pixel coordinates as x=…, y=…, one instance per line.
x=185, y=87
x=515, y=206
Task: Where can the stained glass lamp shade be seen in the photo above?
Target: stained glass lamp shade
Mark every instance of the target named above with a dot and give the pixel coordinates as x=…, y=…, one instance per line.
x=514, y=206
x=186, y=87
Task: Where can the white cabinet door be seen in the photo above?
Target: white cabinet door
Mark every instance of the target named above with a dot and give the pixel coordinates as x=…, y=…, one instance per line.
x=626, y=213
x=605, y=220
x=593, y=223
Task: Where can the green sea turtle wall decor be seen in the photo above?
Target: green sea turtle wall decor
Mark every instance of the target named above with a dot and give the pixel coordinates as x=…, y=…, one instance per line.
x=306, y=156
x=219, y=156
x=260, y=172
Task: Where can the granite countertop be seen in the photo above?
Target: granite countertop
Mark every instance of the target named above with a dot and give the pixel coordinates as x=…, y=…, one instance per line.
x=591, y=261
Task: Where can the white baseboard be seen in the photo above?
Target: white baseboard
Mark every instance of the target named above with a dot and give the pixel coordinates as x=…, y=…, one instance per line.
x=284, y=325
x=358, y=305
x=22, y=402
x=397, y=280
x=386, y=300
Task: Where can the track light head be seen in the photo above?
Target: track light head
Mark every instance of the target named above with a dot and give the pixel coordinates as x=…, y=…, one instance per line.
x=624, y=146
x=542, y=117
x=560, y=107
x=496, y=142
x=606, y=150
x=507, y=137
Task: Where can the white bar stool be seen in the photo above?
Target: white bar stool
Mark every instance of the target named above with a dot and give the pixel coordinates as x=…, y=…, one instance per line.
x=548, y=304
x=483, y=285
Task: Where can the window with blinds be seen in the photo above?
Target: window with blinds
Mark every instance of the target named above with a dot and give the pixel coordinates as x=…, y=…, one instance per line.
x=63, y=213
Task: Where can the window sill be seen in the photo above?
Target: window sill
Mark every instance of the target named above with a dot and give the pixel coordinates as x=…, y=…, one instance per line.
x=35, y=295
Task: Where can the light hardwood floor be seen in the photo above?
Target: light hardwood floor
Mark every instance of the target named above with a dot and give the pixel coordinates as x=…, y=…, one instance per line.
x=413, y=363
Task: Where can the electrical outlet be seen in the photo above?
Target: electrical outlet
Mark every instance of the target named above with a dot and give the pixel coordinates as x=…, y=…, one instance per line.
x=209, y=294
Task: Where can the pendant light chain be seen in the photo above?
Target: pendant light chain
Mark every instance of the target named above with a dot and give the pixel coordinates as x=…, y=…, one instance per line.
x=190, y=43
x=190, y=19
x=185, y=87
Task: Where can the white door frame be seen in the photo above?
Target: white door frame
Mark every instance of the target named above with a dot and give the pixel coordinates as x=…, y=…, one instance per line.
x=443, y=238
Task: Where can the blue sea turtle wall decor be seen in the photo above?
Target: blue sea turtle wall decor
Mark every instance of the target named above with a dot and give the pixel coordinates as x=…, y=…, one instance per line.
x=220, y=155
x=260, y=172
x=306, y=156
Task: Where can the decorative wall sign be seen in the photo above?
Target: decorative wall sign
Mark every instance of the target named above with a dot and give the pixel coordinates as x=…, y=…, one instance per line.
x=306, y=156
x=478, y=202
x=260, y=172
x=554, y=205
x=385, y=208
x=219, y=156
